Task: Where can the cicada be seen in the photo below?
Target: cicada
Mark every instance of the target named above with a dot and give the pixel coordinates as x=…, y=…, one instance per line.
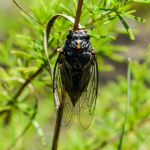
x=75, y=81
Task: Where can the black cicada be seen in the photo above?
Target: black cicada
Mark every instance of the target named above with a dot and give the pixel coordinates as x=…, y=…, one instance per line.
x=76, y=79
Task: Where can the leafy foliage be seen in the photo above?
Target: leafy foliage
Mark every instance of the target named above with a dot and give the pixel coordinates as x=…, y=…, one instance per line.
x=23, y=68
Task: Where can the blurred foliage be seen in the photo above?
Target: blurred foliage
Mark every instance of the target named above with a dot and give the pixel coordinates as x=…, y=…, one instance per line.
x=26, y=84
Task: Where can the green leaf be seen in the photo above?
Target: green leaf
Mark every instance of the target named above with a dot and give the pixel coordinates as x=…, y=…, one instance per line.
x=29, y=69
x=135, y=18
x=102, y=36
x=148, y=49
x=66, y=9
x=75, y=4
x=39, y=130
x=104, y=9
x=131, y=11
x=29, y=18
x=142, y=1
x=127, y=27
x=35, y=14
x=21, y=53
x=24, y=106
x=43, y=6
x=24, y=37
x=110, y=19
x=4, y=108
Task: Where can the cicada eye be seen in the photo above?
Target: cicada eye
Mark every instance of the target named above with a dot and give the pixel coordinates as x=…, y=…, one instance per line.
x=69, y=36
x=87, y=37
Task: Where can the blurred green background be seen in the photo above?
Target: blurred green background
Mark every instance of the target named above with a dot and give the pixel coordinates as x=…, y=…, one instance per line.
x=24, y=69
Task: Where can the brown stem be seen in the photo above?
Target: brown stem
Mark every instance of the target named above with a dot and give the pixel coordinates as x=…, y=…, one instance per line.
x=77, y=19
x=58, y=121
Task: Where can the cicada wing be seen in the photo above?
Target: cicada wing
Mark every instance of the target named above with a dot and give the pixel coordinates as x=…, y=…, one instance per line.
x=58, y=88
x=86, y=103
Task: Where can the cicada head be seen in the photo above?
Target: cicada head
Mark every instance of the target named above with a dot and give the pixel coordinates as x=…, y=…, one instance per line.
x=78, y=40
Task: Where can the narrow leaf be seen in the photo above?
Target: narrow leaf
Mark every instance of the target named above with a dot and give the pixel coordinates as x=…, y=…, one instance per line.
x=75, y=4
x=66, y=9
x=4, y=108
x=101, y=36
x=110, y=19
x=21, y=53
x=127, y=104
x=131, y=11
x=127, y=27
x=39, y=131
x=28, y=18
x=104, y=9
x=29, y=69
x=135, y=18
x=24, y=37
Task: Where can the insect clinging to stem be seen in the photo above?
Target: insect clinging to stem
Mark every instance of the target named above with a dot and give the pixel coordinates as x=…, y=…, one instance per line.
x=76, y=79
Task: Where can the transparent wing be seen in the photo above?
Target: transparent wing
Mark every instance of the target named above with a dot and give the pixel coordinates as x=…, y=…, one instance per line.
x=86, y=103
x=68, y=109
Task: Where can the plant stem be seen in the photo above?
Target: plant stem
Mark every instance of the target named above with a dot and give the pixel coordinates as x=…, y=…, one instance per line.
x=78, y=13
x=127, y=105
x=58, y=121
x=29, y=14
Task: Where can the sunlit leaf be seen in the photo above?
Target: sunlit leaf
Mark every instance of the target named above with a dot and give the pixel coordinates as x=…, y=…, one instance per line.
x=66, y=9
x=21, y=53
x=135, y=18
x=127, y=28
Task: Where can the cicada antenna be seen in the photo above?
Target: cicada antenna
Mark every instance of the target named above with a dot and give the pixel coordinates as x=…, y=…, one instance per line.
x=28, y=14
x=78, y=13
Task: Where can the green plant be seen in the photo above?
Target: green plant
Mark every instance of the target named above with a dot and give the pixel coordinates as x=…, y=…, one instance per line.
x=25, y=70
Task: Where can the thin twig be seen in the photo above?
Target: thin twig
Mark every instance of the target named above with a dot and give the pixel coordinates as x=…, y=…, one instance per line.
x=29, y=14
x=78, y=13
x=57, y=128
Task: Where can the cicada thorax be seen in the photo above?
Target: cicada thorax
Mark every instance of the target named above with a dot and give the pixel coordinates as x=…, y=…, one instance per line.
x=75, y=73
